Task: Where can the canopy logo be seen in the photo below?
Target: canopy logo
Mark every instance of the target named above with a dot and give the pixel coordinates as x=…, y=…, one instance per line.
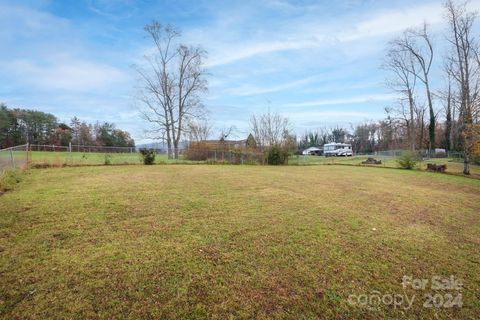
x=437, y=292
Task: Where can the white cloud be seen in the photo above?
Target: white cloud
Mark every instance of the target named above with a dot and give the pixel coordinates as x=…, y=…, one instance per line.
x=113, y=9
x=340, y=101
x=394, y=21
x=308, y=33
x=29, y=19
x=253, y=49
x=67, y=74
x=327, y=115
x=249, y=90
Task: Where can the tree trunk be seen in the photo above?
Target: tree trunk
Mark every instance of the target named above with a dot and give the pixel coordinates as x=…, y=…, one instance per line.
x=466, y=163
x=411, y=128
x=431, y=126
x=448, y=122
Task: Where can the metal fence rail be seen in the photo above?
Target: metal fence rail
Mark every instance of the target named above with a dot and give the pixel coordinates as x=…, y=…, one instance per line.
x=57, y=156
x=14, y=157
x=52, y=155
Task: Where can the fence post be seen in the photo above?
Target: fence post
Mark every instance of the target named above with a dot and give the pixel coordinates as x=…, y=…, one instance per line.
x=28, y=155
x=11, y=157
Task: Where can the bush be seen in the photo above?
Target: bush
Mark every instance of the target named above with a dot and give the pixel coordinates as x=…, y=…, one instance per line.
x=148, y=156
x=407, y=160
x=108, y=160
x=277, y=155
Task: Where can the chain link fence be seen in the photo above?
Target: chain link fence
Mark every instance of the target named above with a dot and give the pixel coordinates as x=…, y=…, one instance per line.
x=14, y=158
x=38, y=156
x=51, y=155
x=78, y=155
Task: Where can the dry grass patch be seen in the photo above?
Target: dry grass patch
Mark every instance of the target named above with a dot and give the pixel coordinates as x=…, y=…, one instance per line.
x=232, y=241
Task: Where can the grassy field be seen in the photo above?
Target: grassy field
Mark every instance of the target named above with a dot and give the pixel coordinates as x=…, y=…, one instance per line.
x=190, y=242
x=97, y=158
x=88, y=158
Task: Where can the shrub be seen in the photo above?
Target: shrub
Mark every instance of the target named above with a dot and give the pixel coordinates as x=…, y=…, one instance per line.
x=407, y=160
x=148, y=156
x=108, y=159
x=277, y=155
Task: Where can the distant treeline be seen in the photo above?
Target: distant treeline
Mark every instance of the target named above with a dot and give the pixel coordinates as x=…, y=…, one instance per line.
x=21, y=126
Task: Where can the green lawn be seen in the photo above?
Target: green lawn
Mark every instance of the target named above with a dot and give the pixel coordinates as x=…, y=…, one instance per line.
x=92, y=158
x=190, y=242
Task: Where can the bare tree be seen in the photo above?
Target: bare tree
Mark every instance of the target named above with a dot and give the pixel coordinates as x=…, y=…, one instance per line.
x=199, y=130
x=226, y=132
x=416, y=44
x=270, y=129
x=172, y=81
x=464, y=62
x=420, y=110
x=447, y=95
x=401, y=64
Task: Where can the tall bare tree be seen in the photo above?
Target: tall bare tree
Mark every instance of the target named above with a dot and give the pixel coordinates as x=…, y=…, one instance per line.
x=401, y=64
x=464, y=62
x=447, y=96
x=417, y=44
x=172, y=82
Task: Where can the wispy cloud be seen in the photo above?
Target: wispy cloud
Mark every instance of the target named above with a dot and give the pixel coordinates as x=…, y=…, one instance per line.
x=113, y=9
x=340, y=101
x=328, y=115
x=66, y=74
x=315, y=60
x=304, y=34
x=250, y=90
x=253, y=49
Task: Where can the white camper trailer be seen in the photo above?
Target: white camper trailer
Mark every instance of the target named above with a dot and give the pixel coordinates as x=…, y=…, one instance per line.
x=337, y=150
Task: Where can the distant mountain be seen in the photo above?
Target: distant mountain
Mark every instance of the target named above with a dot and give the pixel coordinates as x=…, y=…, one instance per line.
x=160, y=145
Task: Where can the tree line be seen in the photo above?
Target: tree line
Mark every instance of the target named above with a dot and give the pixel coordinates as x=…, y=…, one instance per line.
x=21, y=126
x=410, y=60
x=425, y=117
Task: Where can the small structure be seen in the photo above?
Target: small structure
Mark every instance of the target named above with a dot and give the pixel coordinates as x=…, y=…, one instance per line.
x=312, y=151
x=440, y=153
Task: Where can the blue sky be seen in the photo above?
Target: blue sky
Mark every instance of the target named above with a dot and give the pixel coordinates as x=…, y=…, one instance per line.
x=317, y=62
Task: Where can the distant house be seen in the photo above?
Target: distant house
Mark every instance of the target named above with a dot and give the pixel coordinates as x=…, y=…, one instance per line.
x=312, y=151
